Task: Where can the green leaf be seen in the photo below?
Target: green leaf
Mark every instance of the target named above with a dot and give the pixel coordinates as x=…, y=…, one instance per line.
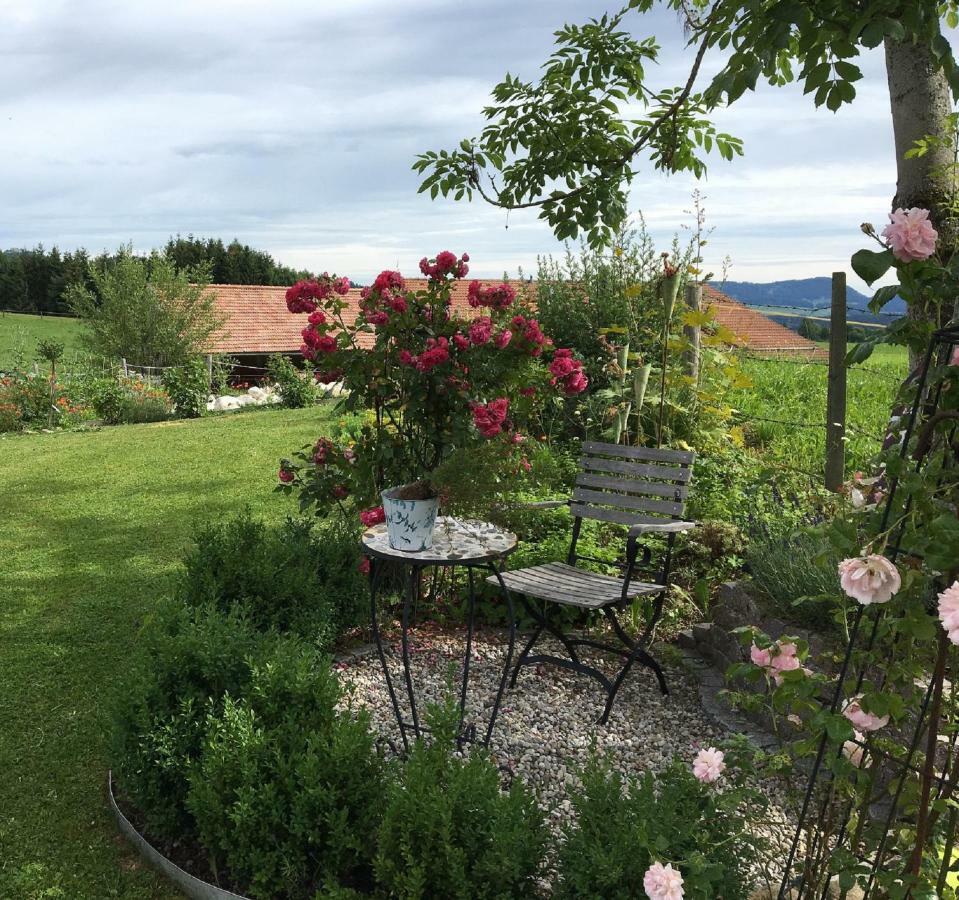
x=871, y=265
x=883, y=296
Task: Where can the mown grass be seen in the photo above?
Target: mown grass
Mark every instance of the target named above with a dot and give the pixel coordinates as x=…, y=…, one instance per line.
x=20, y=334
x=794, y=391
x=93, y=525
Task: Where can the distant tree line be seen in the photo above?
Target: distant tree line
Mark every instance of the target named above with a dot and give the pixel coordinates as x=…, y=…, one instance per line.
x=37, y=280
x=817, y=330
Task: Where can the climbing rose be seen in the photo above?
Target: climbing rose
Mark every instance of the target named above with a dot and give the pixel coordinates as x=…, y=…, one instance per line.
x=563, y=363
x=389, y=280
x=316, y=318
x=445, y=264
x=575, y=383
x=374, y=516
x=708, y=765
x=303, y=295
x=663, y=882
x=760, y=657
x=286, y=476
x=342, y=285
x=862, y=720
x=498, y=296
x=503, y=338
x=436, y=353
x=910, y=234
x=949, y=611
x=869, y=579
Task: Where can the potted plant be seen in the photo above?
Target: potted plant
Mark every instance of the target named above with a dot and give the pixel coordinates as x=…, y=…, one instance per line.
x=440, y=398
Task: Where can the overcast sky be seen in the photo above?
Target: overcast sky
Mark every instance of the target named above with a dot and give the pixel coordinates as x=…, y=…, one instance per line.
x=292, y=126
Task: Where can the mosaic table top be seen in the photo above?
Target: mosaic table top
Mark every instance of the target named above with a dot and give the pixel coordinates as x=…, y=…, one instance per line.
x=454, y=541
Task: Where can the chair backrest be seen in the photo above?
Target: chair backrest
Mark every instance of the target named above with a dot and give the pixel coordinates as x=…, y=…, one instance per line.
x=631, y=485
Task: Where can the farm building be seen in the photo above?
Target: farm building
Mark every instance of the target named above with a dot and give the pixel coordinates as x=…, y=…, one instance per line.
x=257, y=324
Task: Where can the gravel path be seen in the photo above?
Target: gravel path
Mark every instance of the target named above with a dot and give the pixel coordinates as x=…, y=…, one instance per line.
x=546, y=724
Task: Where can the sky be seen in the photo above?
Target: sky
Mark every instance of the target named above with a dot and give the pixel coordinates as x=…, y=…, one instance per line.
x=292, y=125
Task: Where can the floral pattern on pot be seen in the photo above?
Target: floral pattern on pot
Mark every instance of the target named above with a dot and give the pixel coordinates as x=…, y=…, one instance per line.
x=409, y=523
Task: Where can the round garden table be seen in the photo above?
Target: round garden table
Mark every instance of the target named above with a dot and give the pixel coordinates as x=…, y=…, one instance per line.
x=456, y=542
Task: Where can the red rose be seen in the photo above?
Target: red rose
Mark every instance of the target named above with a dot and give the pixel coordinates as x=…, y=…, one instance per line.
x=285, y=475
x=575, y=383
x=374, y=516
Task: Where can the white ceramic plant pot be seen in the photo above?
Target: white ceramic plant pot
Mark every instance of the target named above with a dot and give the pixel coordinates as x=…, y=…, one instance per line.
x=409, y=523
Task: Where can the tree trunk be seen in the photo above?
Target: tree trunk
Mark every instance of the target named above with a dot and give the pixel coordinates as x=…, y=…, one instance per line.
x=920, y=99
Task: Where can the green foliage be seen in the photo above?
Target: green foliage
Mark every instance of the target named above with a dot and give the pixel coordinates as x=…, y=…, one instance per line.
x=569, y=144
x=299, y=576
x=449, y=831
x=188, y=386
x=149, y=314
x=297, y=387
x=128, y=401
x=51, y=351
x=191, y=658
x=796, y=571
x=624, y=825
x=286, y=789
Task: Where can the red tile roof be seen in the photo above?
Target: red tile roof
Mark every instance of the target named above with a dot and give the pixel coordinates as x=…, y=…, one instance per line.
x=757, y=332
x=256, y=319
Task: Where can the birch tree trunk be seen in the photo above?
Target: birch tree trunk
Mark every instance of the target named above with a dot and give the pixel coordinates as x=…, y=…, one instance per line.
x=920, y=99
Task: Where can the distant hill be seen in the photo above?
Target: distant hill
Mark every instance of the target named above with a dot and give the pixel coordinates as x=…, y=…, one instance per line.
x=813, y=294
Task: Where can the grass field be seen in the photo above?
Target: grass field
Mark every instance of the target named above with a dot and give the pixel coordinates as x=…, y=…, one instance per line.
x=21, y=333
x=92, y=528
x=794, y=391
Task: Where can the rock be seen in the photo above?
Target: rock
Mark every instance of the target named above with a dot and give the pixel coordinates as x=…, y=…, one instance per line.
x=735, y=607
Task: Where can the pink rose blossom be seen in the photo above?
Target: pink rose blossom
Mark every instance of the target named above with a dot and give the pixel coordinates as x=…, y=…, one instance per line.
x=575, y=383
x=481, y=330
x=954, y=359
x=341, y=285
x=489, y=418
x=285, y=475
x=760, y=657
x=663, y=882
x=503, y=338
x=869, y=579
x=708, y=765
x=854, y=751
x=910, y=234
x=862, y=720
x=949, y=611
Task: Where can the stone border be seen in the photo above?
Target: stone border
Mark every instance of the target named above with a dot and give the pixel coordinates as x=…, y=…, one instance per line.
x=192, y=886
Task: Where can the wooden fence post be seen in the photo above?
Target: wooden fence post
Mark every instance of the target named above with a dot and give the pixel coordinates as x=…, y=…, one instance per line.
x=126, y=371
x=209, y=368
x=694, y=300
x=836, y=388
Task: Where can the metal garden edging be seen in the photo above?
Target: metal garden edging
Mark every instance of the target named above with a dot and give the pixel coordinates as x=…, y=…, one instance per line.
x=192, y=886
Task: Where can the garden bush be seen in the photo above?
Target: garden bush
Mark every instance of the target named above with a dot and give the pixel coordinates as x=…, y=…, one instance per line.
x=297, y=388
x=796, y=572
x=286, y=790
x=191, y=658
x=449, y=831
x=188, y=387
x=623, y=826
x=300, y=576
x=128, y=401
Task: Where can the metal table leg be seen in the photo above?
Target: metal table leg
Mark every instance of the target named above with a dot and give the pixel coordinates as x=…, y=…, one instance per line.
x=375, y=571
x=412, y=590
x=511, y=612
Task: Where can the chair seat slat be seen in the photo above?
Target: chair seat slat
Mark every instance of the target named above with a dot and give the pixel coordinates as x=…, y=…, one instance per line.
x=627, y=501
x=633, y=485
x=677, y=474
x=649, y=454
x=561, y=583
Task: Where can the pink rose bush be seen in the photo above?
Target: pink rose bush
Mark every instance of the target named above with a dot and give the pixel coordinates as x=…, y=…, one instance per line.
x=869, y=579
x=862, y=720
x=432, y=379
x=776, y=659
x=910, y=235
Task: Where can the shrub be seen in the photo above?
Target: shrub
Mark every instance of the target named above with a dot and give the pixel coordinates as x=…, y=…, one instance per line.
x=297, y=388
x=188, y=387
x=449, y=831
x=286, y=789
x=623, y=826
x=797, y=574
x=298, y=576
x=129, y=401
x=191, y=658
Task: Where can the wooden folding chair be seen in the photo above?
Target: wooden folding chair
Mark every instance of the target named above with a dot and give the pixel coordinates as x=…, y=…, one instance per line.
x=642, y=489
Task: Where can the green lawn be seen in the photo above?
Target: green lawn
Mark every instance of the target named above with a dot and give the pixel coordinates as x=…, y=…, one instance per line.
x=92, y=527
x=794, y=391
x=20, y=334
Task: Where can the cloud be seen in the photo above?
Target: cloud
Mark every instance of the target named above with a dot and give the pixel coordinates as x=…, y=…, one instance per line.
x=292, y=125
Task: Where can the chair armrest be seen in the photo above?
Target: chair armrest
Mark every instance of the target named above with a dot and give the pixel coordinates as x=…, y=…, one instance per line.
x=661, y=528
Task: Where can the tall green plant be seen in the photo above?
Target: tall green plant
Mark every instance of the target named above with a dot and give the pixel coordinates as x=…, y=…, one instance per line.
x=146, y=311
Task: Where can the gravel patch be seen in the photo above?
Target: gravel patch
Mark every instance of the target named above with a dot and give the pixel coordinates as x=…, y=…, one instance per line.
x=546, y=724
